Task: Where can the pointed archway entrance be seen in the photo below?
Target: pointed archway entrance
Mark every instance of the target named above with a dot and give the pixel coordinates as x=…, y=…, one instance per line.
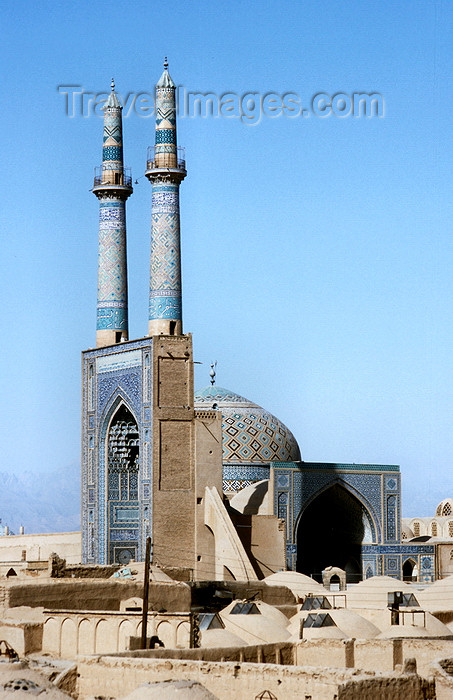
x=330, y=533
x=410, y=570
x=123, y=503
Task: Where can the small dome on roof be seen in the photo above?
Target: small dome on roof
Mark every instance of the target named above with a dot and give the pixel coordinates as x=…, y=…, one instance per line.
x=250, y=433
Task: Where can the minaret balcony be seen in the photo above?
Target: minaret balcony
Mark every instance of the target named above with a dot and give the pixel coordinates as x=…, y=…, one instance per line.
x=112, y=177
x=166, y=162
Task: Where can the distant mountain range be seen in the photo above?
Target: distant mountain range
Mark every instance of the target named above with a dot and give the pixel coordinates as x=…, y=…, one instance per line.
x=41, y=501
x=50, y=501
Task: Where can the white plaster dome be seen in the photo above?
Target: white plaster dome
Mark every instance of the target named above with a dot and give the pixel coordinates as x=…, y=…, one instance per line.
x=250, y=433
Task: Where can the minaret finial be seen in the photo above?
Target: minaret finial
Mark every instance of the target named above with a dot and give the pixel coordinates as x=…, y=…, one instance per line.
x=112, y=84
x=212, y=373
x=165, y=63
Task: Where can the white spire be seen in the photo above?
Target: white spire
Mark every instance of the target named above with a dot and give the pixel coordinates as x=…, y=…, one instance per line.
x=165, y=80
x=113, y=100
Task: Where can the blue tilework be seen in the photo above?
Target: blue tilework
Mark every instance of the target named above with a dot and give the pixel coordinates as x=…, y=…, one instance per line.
x=165, y=136
x=124, y=535
x=405, y=549
x=113, y=131
x=112, y=267
x=165, y=307
x=165, y=108
x=250, y=472
x=391, y=517
x=112, y=319
x=112, y=153
x=165, y=269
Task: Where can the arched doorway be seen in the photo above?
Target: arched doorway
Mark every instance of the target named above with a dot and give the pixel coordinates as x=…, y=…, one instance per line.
x=330, y=533
x=122, y=476
x=410, y=570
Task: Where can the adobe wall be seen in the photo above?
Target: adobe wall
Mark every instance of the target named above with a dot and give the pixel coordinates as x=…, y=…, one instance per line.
x=34, y=548
x=173, y=474
x=24, y=637
x=378, y=654
x=86, y=594
x=203, y=593
x=264, y=540
x=364, y=654
x=442, y=670
x=335, y=653
x=444, y=559
x=393, y=687
x=118, y=676
x=275, y=653
x=383, y=655
x=67, y=633
x=208, y=472
x=425, y=651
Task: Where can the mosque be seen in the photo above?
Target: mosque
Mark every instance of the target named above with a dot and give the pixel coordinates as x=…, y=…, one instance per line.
x=195, y=470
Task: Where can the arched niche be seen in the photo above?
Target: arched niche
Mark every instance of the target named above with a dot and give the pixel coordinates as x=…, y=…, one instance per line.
x=122, y=455
x=410, y=570
x=330, y=533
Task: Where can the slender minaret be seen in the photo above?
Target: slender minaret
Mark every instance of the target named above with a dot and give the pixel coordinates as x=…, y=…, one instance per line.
x=112, y=186
x=165, y=169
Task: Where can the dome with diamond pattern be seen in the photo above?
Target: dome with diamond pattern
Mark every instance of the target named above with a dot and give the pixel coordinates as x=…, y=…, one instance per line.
x=250, y=433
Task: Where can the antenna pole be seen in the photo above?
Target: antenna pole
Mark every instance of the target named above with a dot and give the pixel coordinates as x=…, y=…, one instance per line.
x=145, y=593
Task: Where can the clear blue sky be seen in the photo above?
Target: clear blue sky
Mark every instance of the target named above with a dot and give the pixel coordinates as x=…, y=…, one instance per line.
x=317, y=252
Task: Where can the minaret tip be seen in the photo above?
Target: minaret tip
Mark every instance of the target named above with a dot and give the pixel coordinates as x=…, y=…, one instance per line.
x=165, y=63
x=212, y=373
x=112, y=84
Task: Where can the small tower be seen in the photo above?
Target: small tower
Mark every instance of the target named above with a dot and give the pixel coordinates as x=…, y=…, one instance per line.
x=112, y=186
x=165, y=169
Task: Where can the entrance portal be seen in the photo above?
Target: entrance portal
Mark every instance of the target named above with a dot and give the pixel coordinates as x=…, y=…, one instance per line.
x=330, y=533
x=123, y=470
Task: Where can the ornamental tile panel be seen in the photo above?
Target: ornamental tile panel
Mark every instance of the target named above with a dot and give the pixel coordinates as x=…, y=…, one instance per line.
x=250, y=433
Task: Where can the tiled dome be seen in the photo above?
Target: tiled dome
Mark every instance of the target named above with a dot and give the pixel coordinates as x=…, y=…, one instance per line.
x=250, y=433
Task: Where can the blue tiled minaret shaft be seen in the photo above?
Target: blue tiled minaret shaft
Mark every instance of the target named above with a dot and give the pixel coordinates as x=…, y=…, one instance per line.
x=112, y=186
x=165, y=170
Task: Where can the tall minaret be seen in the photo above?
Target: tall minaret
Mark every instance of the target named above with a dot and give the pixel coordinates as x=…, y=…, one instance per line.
x=165, y=170
x=112, y=186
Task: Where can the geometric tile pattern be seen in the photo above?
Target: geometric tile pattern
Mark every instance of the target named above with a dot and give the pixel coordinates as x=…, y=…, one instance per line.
x=112, y=272
x=165, y=269
x=237, y=477
x=235, y=485
x=250, y=472
x=112, y=153
x=250, y=434
x=391, y=518
x=113, y=131
x=165, y=136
